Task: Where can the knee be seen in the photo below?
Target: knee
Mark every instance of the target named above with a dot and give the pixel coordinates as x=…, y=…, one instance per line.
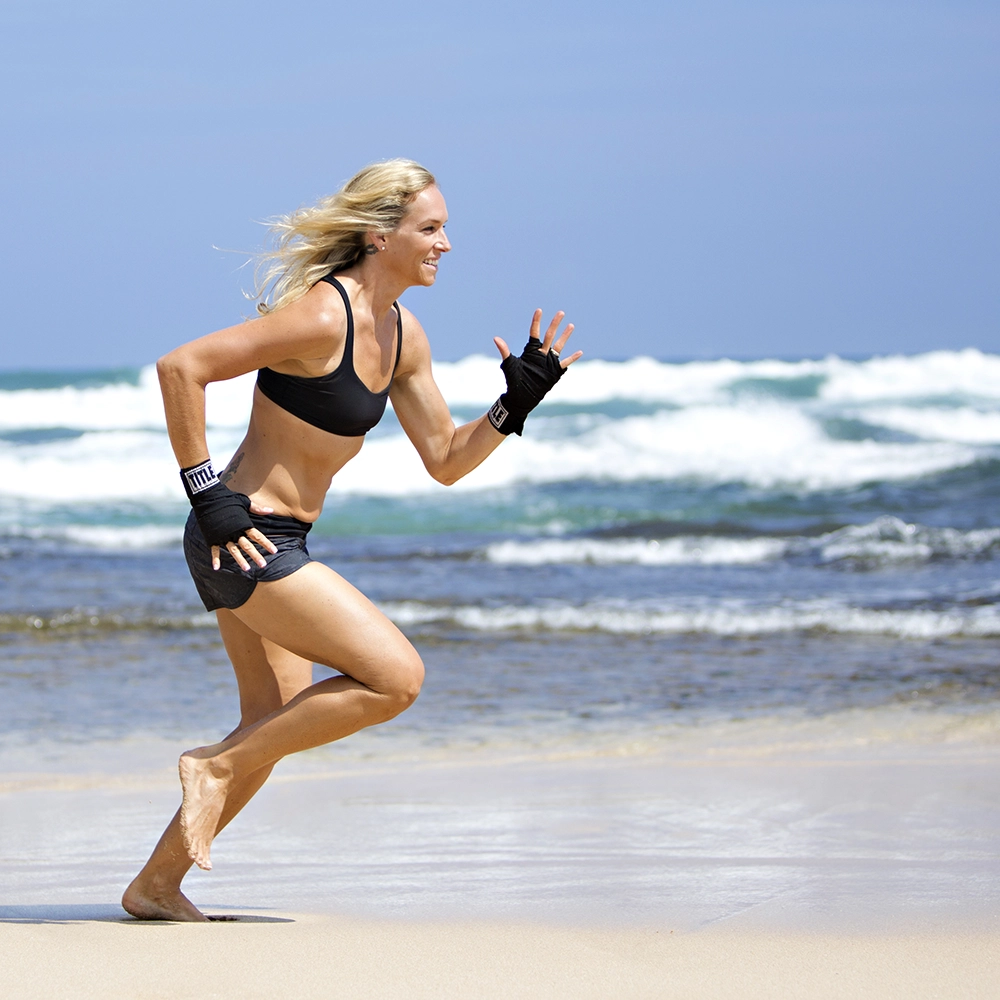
x=407, y=679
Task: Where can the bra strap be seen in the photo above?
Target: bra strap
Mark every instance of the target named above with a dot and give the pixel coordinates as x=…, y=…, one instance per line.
x=399, y=336
x=349, y=343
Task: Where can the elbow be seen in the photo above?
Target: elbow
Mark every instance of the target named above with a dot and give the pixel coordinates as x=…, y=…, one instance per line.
x=442, y=471
x=168, y=367
x=173, y=368
x=444, y=477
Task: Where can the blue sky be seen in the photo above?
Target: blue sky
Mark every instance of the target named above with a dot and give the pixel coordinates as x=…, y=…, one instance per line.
x=684, y=179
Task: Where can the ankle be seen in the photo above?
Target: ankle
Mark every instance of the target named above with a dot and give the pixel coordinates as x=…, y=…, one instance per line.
x=221, y=769
x=155, y=884
x=217, y=767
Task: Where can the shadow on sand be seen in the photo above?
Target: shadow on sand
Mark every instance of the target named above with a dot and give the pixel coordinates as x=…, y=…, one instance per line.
x=108, y=913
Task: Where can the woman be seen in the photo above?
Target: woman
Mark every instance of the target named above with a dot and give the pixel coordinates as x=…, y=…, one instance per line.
x=331, y=346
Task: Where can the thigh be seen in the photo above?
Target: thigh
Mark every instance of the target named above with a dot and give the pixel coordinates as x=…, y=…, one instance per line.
x=316, y=614
x=268, y=675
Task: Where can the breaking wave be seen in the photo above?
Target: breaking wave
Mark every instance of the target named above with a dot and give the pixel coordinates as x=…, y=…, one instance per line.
x=806, y=425
x=724, y=617
x=886, y=541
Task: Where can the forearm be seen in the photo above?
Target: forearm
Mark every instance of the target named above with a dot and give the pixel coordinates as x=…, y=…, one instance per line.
x=449, y=452
x=466, y=449
x=223, y=515
x=184, y=406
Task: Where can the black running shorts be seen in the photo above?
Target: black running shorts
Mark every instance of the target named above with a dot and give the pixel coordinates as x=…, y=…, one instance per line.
x=229, y=586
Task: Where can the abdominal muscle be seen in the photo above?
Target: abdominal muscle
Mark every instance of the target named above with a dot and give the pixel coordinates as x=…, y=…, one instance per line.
x=285, y=463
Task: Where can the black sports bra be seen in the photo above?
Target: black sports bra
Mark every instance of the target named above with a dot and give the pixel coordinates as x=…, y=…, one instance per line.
x=338, y=402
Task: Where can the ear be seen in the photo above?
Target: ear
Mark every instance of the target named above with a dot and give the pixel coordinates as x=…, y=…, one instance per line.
x=374, y=242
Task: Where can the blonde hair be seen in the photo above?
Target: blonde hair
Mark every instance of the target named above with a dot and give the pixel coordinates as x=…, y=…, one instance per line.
x=330, y=235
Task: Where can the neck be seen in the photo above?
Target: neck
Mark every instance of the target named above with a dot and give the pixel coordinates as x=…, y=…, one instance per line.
x=377, y=286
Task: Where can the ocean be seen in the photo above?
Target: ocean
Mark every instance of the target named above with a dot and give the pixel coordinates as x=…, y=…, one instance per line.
x=672, y=550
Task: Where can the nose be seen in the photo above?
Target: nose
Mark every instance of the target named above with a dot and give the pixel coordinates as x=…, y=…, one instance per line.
x=443, y=243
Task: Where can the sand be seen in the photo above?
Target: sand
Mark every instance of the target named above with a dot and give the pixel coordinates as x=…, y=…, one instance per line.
x=312, y=956
x=770, y=868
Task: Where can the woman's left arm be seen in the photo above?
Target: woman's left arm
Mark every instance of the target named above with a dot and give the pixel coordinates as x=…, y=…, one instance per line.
x=449, y=452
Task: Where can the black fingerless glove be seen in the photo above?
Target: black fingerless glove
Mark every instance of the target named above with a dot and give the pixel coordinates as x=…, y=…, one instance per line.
x=222, y=514
x=529, y=378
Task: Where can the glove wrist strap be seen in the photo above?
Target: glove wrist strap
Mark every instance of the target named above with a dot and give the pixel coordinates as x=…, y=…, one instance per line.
x=505, y=420
x=198, y=478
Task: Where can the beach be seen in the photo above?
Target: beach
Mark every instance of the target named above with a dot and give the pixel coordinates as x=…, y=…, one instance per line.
x=820, y=869
x=712, y=704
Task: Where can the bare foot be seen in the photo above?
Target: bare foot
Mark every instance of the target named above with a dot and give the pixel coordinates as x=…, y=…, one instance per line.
x=148, y=902
x=205, y=791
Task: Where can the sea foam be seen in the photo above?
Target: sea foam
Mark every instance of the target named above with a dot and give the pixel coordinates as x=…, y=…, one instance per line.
x=682, y=551
x=962, y=424
x=722, y=617
x=764, y=445
x=885, y=542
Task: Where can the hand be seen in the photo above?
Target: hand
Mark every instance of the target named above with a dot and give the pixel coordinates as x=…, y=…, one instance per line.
x=546, y=344
x=531, y=375
x=247, y=543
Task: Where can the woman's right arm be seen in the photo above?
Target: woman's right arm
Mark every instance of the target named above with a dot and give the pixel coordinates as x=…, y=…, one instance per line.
x=302, y=330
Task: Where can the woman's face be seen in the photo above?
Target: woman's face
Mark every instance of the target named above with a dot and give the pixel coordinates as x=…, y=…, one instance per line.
x=416, y=245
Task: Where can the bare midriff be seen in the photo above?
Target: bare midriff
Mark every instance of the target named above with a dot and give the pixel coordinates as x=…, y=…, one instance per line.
x=285, y=463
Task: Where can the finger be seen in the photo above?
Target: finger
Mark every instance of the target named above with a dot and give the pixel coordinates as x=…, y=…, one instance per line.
x=536, y=324
x=502, y=348
x=551, y=331
x=252, y=551
x=216, y=558
x=233, y=550
x=561, y=342
x=261, y=539
x=255, y=508
x=566, y=362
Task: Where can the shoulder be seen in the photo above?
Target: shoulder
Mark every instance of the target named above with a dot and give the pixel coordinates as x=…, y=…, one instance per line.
x=320, y=309
x=309, y=329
